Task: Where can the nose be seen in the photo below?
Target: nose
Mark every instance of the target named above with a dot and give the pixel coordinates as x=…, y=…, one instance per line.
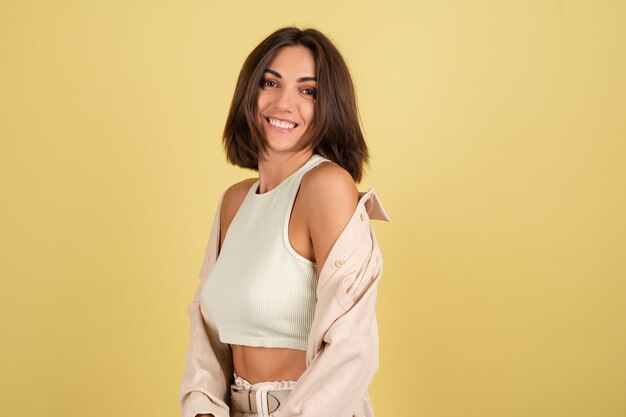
x=285, y=99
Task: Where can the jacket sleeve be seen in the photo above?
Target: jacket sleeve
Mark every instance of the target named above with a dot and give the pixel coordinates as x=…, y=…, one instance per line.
x=205, y=384
x=344, y=334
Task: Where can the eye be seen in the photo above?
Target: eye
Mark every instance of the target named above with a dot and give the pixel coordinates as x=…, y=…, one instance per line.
x=310, y=92
x=267, y=83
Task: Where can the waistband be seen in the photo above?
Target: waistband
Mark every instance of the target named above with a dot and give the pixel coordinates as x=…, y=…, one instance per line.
x=261, y=398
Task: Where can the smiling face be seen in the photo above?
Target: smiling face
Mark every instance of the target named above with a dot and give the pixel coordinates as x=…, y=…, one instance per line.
x=286, y=98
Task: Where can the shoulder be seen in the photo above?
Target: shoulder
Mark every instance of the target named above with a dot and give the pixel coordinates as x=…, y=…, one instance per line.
x=233, y=197
x=330, y=183
x=331, y=197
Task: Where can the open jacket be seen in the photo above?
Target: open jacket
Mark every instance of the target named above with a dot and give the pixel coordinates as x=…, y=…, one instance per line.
x=342, y=349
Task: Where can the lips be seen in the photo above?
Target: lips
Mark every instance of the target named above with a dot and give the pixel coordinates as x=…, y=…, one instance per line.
x=285, y=125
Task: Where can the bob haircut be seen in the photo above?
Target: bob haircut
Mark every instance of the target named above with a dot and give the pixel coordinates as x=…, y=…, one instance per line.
x=335, y=132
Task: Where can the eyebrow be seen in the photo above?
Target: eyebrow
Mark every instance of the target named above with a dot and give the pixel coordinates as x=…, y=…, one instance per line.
x=277, y=75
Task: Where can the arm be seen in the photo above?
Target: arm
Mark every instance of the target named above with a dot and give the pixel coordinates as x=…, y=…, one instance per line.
x=344, y=337
x=342, y=352
x=331, y=198
x=205, y=387
x=208, y=368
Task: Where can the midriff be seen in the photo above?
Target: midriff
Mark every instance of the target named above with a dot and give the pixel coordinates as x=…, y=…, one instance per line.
x=260, y=364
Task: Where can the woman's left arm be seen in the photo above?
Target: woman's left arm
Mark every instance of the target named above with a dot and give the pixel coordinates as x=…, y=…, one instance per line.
x=342, y=352
x=333, y=197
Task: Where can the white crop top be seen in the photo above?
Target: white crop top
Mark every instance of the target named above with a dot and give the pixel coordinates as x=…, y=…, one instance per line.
x=261, y=292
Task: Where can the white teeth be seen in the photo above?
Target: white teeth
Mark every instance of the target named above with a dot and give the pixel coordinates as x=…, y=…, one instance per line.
x=282, y=125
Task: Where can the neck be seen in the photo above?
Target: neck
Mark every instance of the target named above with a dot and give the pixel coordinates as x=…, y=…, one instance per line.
x=275, y=167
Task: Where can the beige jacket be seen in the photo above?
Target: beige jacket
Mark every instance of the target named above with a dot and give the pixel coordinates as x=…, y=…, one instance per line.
x=342, y=350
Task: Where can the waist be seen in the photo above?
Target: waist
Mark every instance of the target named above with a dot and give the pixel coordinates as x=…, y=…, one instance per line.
x=258, y=364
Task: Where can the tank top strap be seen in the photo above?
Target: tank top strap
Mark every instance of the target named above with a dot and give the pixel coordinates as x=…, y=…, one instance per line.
x=314, y=161
x=289, y=185
x=294, y=183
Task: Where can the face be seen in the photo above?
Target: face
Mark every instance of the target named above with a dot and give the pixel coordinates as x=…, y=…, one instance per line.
x=286, y=98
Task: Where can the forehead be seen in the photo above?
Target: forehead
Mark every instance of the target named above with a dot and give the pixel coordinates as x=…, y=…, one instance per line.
x=295, y=60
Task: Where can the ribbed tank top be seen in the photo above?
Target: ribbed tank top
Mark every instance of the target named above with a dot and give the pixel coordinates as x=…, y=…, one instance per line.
x=261, y=292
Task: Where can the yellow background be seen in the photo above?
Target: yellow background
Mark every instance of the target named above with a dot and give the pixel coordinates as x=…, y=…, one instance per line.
x=498, y=139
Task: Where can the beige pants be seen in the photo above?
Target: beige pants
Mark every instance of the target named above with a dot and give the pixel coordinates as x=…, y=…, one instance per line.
x=259, y=391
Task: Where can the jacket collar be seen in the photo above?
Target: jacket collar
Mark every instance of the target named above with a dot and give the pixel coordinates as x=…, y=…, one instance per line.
x=373, y=206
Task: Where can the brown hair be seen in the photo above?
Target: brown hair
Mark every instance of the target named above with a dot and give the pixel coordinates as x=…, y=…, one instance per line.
x=336, y=131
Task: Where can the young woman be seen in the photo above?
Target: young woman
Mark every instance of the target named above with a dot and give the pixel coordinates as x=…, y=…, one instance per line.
x=283, y=321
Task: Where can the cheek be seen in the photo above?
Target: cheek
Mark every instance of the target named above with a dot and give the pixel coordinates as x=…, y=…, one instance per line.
x=308, y=112
x=262, y=100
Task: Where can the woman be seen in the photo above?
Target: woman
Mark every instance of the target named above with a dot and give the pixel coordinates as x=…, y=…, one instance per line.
x=280, y=326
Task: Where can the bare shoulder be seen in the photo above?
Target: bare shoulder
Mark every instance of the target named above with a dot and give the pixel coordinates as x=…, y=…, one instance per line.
x=234, y=195
x=329, y=183
x=331, y=198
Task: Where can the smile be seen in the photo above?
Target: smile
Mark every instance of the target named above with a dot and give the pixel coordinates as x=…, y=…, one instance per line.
x=282, y=124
